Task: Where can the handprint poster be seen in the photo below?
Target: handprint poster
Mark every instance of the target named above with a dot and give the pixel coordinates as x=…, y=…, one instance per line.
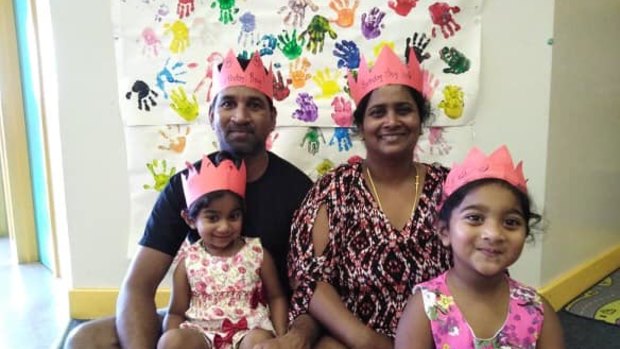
x=167, y=50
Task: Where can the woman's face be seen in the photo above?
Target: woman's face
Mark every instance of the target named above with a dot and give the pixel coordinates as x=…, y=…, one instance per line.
x=391, y=124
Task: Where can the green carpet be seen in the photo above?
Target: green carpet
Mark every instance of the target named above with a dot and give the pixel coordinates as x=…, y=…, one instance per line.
x=601, y=302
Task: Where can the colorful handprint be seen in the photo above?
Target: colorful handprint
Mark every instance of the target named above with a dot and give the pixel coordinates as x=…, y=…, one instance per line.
x=345, y=11
x=342, y=113
x=180, y=36
x=307, y=110
x=161, y=13
x=287, y=43
x=441, y=15
x=438, y=144
x=227, y=10
x=185, y=8
x=316, y=30
x=151, y=42
x=296, y=11
x=453, y=101
x=371, y=23
x=268, y=44
x=161, y=174
x=402, y=7
x=169, y=75
x=247, y=33
x=175, y=138
x=328, y=82
x=187, y=109
x=145, y=95
x=430, y=84
x=341, y=137
x=348, y=54
x=324, y=166
x=418, y=43
x=280, y=87
x=456, y=60
x=313, y=137
x=299, y=72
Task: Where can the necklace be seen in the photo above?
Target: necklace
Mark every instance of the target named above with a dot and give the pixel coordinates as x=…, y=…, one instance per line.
x=374, y=189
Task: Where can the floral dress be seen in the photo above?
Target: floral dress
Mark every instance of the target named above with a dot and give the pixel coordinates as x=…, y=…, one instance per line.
x=227, y=296
x=372, y=265
x=451, y=330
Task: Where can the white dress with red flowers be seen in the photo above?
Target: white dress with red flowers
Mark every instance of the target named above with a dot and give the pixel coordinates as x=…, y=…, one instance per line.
x=227, y=293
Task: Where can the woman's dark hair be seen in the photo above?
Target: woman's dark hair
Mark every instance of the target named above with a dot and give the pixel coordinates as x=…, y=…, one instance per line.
x=424, y=108
x=204, y=201
x=459, y=195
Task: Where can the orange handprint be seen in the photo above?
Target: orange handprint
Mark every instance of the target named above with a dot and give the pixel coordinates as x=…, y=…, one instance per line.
x=345, y=12
x=175, y=143
x=299, y=72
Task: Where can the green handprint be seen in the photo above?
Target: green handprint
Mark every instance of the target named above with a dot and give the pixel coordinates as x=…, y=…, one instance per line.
x=186, y=109
x=318, y=27
x=180, y=36
x=314, y=136
x=162, y=177
x=328, y=83
x=227, y=10
x=289, y=46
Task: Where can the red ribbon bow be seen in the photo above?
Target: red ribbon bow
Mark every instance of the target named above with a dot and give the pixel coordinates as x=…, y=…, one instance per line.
x=230, y=328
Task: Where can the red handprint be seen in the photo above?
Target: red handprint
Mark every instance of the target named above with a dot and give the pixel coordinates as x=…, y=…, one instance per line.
x=280, y=87
x=402, y=7
x=185, y=8
x=441, y=15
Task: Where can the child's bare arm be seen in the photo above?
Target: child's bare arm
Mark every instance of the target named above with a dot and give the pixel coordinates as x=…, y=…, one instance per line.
x=179, y=299
x=414, y=329
x=278, y=304
x=551, y=335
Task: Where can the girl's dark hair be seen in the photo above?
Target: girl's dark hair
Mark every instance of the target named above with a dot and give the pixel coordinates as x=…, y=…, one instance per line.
x=424, y=108
x=204, y=201
x=532, y=218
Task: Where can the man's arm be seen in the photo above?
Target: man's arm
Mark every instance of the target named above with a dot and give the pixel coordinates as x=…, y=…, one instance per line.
x=137, y=323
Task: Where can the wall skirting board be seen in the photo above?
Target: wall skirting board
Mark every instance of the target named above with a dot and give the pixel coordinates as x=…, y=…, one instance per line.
x=89, y=303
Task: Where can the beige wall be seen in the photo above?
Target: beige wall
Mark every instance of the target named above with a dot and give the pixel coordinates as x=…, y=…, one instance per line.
x=583, y=166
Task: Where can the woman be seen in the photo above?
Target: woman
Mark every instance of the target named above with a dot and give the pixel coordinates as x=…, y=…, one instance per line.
x=364, y=235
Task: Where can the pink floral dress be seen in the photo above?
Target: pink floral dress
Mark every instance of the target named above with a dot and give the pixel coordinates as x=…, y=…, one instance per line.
x=451, y=330
x=227, y=294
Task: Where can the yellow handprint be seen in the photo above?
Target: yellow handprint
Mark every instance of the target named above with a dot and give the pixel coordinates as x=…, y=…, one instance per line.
x=377, y=48
x=324, y=166
x=186, y=109
x=328, y=83
x=299, y=72
x=452, y=103
x=180, y=36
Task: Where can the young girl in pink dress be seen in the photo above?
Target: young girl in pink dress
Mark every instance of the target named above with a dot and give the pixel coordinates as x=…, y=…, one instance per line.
x=217, y=295
x=485, y=218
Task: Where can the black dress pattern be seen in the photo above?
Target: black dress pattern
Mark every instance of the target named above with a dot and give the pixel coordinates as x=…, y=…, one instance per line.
x=372, y=265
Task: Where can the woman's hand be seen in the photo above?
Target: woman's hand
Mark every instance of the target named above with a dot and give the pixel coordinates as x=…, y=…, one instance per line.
x=370, y=339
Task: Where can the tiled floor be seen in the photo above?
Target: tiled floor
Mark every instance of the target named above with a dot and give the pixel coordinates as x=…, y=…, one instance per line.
x=33, y=305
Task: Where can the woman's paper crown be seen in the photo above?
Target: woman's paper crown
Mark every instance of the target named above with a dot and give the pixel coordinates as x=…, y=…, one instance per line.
x=232, y=74
x=212, y=178
x=388, y=69
x=476, y=166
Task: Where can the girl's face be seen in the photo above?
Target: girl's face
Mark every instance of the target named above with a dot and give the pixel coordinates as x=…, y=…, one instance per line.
x=391, y=123
x=486, y=231
x=219, y=224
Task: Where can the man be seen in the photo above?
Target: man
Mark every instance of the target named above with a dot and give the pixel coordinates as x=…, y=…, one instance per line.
x=242, y=115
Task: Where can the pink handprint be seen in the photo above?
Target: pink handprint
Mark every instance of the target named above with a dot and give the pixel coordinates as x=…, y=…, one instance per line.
x=185, y=8
x=308, y=111
x=212, y=61
x=441, y=15
x=371, y=23
x=402, y=7
x=437, y=142
x=151, y=41
x=342, y=114
x=430, y=83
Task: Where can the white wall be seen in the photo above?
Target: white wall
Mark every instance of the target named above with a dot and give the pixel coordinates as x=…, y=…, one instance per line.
x=513, y=109
x=583, y=185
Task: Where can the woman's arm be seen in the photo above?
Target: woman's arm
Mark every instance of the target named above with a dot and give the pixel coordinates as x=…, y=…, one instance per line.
x=278, y=304
x=551, y=335
x=414, y=330
x=179, y=299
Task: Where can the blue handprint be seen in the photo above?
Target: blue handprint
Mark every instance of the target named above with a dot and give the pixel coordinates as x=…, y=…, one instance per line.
x=268, y=45
x=308, y=111
x=169, y=75
x=248, y=25
x=348, y=54
x=341, y=135
x=371, y=23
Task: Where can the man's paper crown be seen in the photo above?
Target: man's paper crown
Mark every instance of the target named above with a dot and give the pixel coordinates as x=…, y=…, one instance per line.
x=388, y=69
x=212, y=178
x=232, y=74
x=478, y=166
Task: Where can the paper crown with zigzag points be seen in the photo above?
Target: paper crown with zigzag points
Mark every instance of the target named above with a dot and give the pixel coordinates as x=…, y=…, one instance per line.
x=387, y=70
x=476, y=166
x=210, y=178
x=232, y=74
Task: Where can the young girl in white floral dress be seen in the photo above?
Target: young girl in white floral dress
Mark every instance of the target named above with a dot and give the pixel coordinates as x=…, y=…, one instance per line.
x=219, y=283
x=485, y=218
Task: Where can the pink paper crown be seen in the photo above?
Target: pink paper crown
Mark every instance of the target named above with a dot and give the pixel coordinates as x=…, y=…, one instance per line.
x=478, y=166
x=211, y=178
x=232, y=74
x=388, y=69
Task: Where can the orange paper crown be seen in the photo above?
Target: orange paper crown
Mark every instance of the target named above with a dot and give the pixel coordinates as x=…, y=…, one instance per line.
x=232, y=74
x=212, y=178
x=478, y=166
x=388, y=69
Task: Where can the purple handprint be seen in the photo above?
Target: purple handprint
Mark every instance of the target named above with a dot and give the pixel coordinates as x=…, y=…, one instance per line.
x=308, y=111
x=371, y=23
x=342, y=137
x=246, y=34
x=348, y=54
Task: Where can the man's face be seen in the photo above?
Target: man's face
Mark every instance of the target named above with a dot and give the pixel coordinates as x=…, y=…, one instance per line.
x=242, y=119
